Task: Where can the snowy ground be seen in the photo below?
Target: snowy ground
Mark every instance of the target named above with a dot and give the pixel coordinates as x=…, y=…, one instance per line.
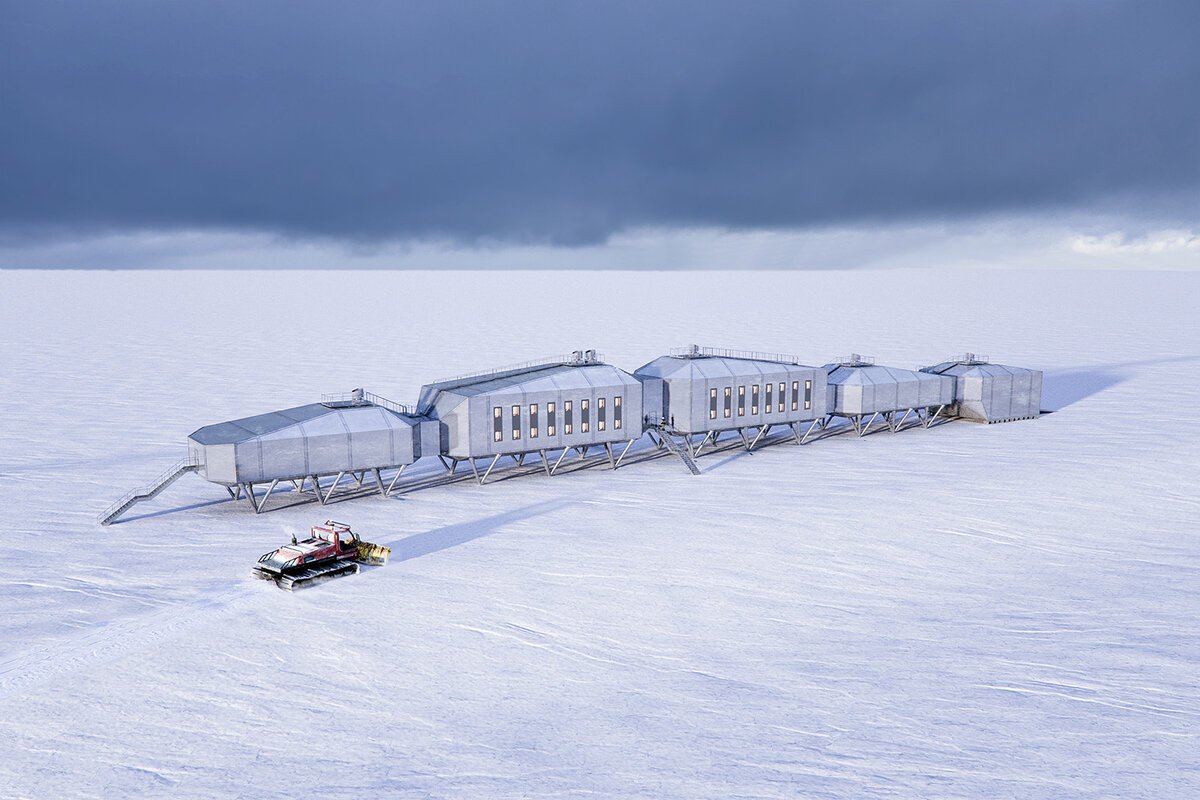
x=971, y=611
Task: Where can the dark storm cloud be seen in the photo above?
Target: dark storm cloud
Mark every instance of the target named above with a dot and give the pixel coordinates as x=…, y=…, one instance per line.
x=565, y=122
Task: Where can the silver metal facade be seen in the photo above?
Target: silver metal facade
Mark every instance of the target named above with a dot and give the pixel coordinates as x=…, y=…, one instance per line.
x=697, y=393
x=992, y=392
x=315, y=439
x=856, y=389
x=548, y=406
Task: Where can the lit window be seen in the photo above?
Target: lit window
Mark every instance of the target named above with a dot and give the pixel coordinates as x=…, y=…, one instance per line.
x=741, y=401
x=567, y=417
x=583, y=416
x=781, y=388
x=600, y=414
x=795, y=395
x=516, y=422
x=769, y=401
x=617, y=413
x=498, y=424
x=808, y=394
x=549, y=419
x=728, y=402
x=754, y=399
x=533, y=420
x=712, y=403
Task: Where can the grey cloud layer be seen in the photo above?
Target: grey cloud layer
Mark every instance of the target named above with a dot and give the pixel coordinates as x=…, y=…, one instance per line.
x=564, y=122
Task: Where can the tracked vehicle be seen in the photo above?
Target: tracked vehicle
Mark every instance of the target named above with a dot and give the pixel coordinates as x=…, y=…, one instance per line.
x=331, y=551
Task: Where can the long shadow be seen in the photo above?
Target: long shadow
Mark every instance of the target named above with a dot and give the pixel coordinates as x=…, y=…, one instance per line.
x=1065, y=387
x=422, y=544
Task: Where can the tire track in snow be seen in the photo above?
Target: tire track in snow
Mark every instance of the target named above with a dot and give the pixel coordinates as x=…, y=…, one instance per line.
x=109, y=642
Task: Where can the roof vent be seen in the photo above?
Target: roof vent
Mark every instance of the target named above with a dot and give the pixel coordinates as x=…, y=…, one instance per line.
x=855, y=360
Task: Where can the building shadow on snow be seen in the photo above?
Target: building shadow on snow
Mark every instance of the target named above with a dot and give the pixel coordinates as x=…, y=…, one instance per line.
x=1065, y=387
x=423, y=544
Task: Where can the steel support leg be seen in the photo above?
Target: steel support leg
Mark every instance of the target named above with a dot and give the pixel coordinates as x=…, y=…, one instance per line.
x=863, y=430
x=250, y=496
x=489, y=469
x=545, y=462
x=560, y=458
x=258, y=507
x=395, y=478
x=611, y=461
x=336, y=481
x=628, y=445
x=379, y=482
x=761, y=432
x=474, y=471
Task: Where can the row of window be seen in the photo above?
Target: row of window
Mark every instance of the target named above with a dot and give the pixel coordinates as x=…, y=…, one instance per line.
x=551, y=418
x=767, y=394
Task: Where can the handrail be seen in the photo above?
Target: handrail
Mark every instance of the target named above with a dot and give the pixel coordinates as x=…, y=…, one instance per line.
x=189, y=463
x=855, y=360
x=696, y=351
x=577, y=358
x=359, y=397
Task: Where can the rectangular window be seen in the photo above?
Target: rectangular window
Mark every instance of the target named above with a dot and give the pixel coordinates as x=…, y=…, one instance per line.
x=795, y=395
x=728, y=402
x=769, y=401
x=584, y=422
x=712, y=403
x=533, y=421
x=616, y=413
x=781, y=388
x=567, y=417
x=808, y=394
x=498, y=424
x=600, y=414
x=516, y=419
x=549, y=419
x=741, y=401
x=754, y=399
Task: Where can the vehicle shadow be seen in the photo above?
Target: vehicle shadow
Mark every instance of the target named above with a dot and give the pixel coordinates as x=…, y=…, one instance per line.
x=438, y=539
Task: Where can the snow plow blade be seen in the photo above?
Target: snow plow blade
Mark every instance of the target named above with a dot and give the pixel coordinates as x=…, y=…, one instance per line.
x=374, y=554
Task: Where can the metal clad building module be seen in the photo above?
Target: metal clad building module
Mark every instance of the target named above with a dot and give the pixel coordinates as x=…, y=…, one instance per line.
x=992, y=392
x=862, y=392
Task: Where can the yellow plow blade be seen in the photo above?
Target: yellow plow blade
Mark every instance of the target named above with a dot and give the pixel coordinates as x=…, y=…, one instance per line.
x=375, y=554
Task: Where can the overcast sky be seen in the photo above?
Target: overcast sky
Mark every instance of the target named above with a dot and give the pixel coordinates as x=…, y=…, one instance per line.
x=243, y=133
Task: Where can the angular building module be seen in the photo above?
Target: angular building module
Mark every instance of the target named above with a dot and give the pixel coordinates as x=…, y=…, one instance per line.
x=992, y=392
x=705, y=391
x=862, y=392
x=357, y=433
x=563, y=403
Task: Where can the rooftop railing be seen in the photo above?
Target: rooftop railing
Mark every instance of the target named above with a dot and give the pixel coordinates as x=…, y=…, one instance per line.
x=855, y=360
x=358, y=397
x=577, y=358
x=696, y=351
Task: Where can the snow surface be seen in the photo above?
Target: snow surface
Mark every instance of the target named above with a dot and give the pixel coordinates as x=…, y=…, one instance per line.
x=970, y=611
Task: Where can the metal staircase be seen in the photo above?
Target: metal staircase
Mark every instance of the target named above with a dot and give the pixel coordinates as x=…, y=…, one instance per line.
x=674, y=446
x=153, y=489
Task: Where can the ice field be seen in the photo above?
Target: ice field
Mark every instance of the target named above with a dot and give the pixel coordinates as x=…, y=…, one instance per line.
x=971, y=611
